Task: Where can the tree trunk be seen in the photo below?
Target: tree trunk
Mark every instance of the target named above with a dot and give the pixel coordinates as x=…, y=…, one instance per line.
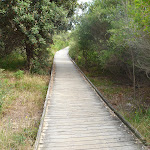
x=29, y=54
x=86, y=60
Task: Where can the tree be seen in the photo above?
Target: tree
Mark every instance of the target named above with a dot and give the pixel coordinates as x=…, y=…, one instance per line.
x=140, y=13
x=32, y=24
x=114, y=35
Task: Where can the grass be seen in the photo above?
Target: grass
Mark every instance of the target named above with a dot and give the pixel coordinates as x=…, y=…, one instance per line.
x=21, y=108
x=140, y=120
x=120, y=95
x=22, y=97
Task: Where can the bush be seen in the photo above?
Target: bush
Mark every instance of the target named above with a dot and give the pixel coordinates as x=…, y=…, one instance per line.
x=19, y=74
x=13, y=61
x=112, y=39
x=60, y=41
x=41, y=64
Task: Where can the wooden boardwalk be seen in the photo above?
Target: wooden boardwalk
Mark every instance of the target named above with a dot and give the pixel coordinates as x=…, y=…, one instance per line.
x=77, y=119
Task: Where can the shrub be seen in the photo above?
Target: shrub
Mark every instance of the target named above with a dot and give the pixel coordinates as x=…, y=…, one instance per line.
x=41, y=66
x=19, y=74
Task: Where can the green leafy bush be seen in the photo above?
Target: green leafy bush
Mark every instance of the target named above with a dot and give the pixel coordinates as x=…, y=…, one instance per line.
x=114, y=35
x=13, y=61
x=19, y=74
x=60, y=41
x=40, y=66
x=31, y=25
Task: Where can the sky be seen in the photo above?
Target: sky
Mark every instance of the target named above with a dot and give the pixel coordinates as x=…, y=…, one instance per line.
x=83, y=1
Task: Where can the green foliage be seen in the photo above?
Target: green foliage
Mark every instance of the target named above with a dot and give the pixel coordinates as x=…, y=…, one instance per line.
x=140, y=120
x=32, y=132
x=2, y=93
x=141, y=14
x=111, y=37
x=76, y=53
x=13, y=61
x=40, y=66
x=60, y=41
x=19, y=74
x=104, y=57
x=18, y=139
x=42, y=63
x=30, y=25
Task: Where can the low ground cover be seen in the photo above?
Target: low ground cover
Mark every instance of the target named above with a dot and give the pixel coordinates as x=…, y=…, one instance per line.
x=22, y=96
x=21, y=103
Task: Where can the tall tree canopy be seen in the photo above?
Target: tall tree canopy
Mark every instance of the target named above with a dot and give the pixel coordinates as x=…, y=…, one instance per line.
x=31, y=24
x=114, y=35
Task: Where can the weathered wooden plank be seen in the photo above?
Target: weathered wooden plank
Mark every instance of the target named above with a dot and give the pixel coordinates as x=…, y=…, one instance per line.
x=76, y=117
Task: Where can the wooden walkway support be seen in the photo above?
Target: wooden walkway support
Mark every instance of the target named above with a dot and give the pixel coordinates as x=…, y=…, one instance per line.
x=76, y=118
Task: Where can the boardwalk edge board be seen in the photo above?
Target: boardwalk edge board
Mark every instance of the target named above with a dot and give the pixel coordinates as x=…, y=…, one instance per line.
x=44, y=111
x=132, y=129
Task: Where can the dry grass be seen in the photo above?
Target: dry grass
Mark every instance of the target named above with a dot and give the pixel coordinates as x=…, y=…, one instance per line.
x=21, y=109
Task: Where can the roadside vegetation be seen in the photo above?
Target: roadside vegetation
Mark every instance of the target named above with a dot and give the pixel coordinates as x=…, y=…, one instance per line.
x=60, y=41
x=111, y=45
x=21, y=103
x=30, y=34
x=28, y=27
x=22, y=96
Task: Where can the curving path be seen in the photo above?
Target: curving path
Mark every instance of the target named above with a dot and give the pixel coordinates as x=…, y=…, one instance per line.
x=77, y=119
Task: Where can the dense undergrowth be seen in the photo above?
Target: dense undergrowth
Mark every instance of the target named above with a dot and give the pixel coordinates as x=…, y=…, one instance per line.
x=22, y=95
x=60, y=41
x=111, y=43
x=110, y=36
